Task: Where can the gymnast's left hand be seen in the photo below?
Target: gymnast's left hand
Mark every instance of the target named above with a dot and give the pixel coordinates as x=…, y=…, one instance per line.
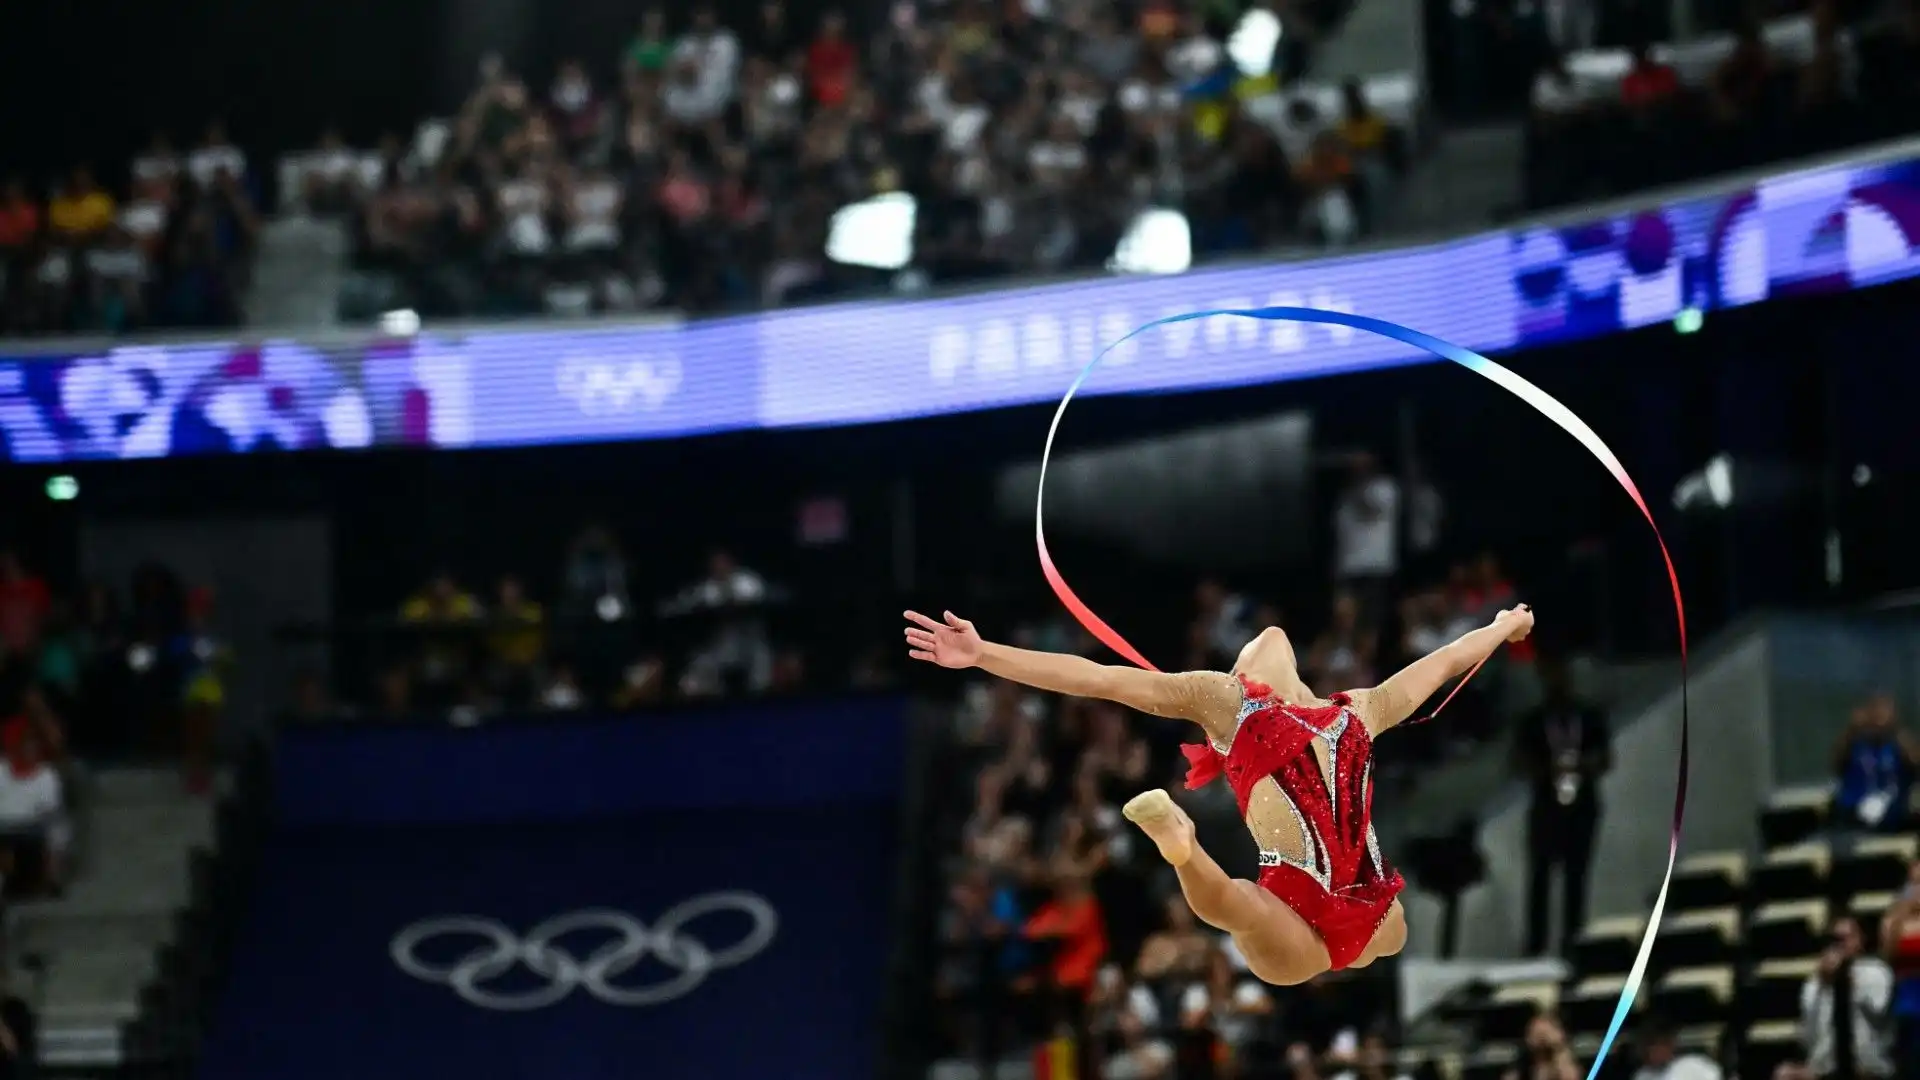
x=953, y=643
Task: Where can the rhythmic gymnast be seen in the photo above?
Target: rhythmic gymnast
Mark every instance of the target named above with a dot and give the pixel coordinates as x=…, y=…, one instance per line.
x=1300, y=766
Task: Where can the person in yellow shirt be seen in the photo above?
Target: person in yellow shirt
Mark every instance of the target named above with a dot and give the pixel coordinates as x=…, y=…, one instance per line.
x=445, y=612
x=1361, y=128
x=518, y=640
x=81, y=211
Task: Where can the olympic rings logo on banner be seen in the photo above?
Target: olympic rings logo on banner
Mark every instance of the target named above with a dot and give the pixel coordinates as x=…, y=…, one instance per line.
x=500, y=950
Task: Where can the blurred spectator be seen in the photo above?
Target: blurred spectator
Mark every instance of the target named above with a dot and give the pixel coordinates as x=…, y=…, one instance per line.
x=1547, y=1053
x=1844, y=1009
x=1900, y=946
x=202, y=660
x=650, y=49
x=1366, y=524
x=24, y=605
x=19, y=1034
x=1342, y=655
x=1222, y=625
x=1662, y=1059
x=33, y=823
x=20, y=222
x=562, y=692
x=643, y=683
x=1562, y=748
x=518, y=642
x=443, y=610
x=1648, y=83
x=80, y=212
x=1873, y=764
x=215, y=157
x=737, y=652
x=1740, y=83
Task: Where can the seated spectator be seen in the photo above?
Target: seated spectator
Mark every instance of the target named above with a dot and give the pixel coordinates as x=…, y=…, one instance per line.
x=1844, y=1006
x=1648, y=83
x=1874, y=765
x=576, y=107
x=651, y=49
x=19, y=221
x=441, y=610
x=1362, y=129
x=332, y=181
x=831, y=62
x=518, y=642
x=119, y=273
x=32, y=813
x=1342, y=656
x=158, y=164
x=1900, y=947
x=562, y=692
x=216, y=155
x=80, y=212
x=1829, y=79
x=1326, y=177
x=1180, y=950
x=737, y=651
x=1662, y=1059
x=25, y=602
x=643, y=683
x=1740, y=84
x=1548, y=1055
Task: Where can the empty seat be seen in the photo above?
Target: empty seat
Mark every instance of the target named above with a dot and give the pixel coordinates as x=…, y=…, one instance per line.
x=1606, y=946
x=1773, y=990
x=1769, y=1045
x=1793, y=873
x=1691, y=997
x=1793, y=814
x=1787, y=930
x=1709, y=879
x=1876, y=864
x=1703, y=1039
x=1589, y=1005
x=1505, y=1015
x=1868, y=907
x=1699, y=938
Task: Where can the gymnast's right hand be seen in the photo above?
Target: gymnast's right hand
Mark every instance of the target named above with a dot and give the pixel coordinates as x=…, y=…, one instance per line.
x=951, y=644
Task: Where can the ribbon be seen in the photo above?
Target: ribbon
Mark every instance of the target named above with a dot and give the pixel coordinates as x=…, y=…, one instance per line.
x=1547, y=406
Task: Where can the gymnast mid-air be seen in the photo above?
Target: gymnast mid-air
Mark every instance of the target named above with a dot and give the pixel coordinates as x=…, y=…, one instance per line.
x=1300, y=766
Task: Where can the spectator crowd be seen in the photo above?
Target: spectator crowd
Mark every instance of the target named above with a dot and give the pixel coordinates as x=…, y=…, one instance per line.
x=703, y=166
x=168, y=248
x=1834, y=77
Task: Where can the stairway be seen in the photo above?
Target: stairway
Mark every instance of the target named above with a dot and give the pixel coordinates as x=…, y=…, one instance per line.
x=298, y=272
x=84, y=959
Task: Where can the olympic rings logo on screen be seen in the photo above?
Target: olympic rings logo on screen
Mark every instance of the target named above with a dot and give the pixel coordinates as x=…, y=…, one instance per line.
x=498, y=950
x=606, y=387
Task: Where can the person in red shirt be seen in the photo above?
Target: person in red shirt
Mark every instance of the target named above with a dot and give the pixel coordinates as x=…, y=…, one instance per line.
x=831, y=61
x=1073, y=922
x=1648, y=82
x=24, y=602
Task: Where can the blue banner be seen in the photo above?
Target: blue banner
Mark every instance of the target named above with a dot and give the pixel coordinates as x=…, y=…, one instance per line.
x=548, y=769
x=741, y=944
x=1818, y=230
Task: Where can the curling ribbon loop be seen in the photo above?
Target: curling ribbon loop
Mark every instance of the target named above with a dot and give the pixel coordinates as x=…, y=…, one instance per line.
x=1547, y=406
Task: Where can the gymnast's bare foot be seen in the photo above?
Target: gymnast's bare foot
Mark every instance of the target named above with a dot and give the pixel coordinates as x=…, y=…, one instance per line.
x=1168, y=826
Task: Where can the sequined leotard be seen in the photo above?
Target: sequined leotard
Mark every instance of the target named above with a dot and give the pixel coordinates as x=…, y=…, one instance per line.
x=1333, y=875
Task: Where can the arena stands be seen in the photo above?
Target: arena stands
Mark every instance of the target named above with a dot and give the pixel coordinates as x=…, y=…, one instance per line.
x=1611, y=121
x=704, y=166
x=167, y=247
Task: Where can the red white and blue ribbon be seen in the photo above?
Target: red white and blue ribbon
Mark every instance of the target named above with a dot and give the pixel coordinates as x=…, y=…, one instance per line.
x=1542, y=402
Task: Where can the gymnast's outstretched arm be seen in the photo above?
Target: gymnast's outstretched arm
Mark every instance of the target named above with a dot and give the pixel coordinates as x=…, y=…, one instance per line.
x=1208, y=698
x=1394, y=700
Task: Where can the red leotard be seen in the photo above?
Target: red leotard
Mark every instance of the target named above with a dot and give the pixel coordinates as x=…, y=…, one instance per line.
x=1339, y=883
